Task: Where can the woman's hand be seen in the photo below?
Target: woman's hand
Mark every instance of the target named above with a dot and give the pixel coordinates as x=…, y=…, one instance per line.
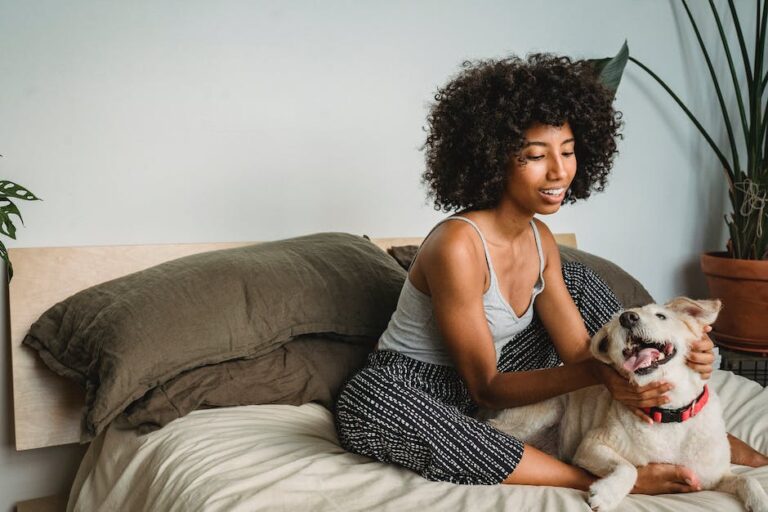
x=701, y=357
x=630, y=394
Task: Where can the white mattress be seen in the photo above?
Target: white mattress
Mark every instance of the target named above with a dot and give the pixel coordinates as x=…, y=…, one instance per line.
x=286, y=458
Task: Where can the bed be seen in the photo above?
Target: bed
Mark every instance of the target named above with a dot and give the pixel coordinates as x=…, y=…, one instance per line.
x=260, y=457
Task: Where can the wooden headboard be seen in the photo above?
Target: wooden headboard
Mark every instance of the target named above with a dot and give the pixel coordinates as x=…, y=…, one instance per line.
x=48, y=408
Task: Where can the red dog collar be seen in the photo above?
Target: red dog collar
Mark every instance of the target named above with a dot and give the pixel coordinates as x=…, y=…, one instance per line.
x=659, y=415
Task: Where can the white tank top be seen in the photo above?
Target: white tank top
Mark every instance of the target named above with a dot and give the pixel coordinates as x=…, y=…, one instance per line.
x=413, y=331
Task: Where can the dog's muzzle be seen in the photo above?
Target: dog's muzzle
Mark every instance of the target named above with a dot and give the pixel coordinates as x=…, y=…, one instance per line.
x=644, y=356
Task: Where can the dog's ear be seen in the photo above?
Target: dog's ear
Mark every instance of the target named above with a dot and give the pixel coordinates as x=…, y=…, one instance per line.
x=705, y=311
x=599, y=345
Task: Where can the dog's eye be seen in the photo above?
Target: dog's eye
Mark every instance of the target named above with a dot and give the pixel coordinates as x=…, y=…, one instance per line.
x=659, y=315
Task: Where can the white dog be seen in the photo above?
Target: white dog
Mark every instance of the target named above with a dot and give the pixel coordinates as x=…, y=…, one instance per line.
x=590, y=429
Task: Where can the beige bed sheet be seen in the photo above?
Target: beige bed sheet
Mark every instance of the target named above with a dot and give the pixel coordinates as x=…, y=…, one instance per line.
x=287, y=458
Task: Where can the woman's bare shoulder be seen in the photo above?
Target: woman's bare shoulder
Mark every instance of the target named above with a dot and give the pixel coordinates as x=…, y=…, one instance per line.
x=548, y=242
x=451, y=245
x=451, y=239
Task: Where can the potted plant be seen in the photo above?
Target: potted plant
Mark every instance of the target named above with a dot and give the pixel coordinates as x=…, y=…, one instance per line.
x=8, y=190
x=739, y=275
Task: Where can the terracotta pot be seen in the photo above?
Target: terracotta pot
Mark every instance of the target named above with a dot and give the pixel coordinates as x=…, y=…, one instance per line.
x=742, y=285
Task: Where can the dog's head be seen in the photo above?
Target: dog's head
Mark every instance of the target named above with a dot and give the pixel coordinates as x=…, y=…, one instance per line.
x=638, y=342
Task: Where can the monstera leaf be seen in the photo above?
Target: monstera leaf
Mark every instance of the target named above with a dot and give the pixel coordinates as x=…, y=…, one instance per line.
x=11, y=189
x=8, y=208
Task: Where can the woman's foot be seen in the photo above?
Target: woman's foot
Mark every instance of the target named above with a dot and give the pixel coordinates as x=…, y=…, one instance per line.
x=665, y=479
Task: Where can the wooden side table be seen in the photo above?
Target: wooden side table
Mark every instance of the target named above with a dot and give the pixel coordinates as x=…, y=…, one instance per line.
x=751, y=365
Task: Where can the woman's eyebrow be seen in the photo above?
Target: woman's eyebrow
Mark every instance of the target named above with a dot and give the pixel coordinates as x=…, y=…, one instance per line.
x=544, y=144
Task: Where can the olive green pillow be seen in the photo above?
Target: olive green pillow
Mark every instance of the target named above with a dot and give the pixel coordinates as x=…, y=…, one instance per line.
x=309, y=368
x=126, y=336
x=627, y=289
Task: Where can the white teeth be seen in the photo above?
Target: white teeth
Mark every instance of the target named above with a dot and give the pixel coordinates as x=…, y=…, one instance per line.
x=553, y=191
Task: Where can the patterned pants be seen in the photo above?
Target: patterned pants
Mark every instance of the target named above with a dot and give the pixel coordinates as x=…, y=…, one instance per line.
x=418, y=415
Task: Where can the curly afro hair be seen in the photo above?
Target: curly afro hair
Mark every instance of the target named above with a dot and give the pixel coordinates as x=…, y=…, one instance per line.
x=478, y=121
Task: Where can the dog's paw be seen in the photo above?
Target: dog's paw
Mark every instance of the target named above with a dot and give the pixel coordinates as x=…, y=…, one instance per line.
x=756, y=504
x=752, y=494
x=602, y=498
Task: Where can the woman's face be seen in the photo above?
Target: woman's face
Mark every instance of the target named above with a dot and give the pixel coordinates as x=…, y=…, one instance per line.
x=543, y=170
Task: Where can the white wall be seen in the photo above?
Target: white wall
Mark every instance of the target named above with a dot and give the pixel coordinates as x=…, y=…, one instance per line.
x=190, y=121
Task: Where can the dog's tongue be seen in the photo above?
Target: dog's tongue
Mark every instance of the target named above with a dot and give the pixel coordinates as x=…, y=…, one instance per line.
x=642, y=359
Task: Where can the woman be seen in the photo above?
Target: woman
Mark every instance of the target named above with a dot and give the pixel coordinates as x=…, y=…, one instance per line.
x=509, y=139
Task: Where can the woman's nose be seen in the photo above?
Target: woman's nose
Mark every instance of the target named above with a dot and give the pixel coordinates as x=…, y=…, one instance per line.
x=557, y=168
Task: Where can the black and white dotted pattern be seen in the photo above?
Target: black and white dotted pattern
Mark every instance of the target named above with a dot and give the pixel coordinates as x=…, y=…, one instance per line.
x=418, y=415
x=531, y=348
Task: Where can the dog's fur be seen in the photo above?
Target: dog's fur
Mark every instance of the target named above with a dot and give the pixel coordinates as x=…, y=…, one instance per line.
x=591, y=430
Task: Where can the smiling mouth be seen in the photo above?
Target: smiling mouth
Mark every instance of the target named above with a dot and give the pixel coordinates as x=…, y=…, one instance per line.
x=642, y=356
x=554, y=192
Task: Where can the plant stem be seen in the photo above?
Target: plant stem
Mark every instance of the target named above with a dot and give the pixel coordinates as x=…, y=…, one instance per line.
x=729, y=173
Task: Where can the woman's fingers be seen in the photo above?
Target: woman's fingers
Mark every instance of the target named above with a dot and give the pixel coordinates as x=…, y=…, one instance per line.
x=653, y=402
x=641, y=415
x=701, y=369
x=653, y=389
x=633, y=396
x=705, y=344
x=702, y=363
x=684, y=474
x=701, y=358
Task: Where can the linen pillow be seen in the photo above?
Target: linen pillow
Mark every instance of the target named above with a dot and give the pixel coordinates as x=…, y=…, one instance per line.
x=627, y=289
x=309, y=368
x=123, y=337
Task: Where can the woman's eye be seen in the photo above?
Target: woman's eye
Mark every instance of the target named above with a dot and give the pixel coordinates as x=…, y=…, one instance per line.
x=659, y=315
x=568, y=153
x=535, y=157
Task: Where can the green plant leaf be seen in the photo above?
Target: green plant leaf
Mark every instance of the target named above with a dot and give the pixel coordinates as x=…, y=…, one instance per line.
x=729, y=172
x=611, y=69
x=11, y=189
x=742, y=43
x=760, y=32
x=4, y=257
x=734, y=77
x=716, y=83
x=10, y=207
x=6, y=225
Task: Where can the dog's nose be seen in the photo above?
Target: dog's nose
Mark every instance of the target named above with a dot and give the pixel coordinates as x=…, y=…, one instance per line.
x=628, y=319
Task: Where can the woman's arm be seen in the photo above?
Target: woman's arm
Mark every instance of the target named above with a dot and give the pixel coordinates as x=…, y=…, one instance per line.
x=456, y=284
x=566, y=329
x=555, y=306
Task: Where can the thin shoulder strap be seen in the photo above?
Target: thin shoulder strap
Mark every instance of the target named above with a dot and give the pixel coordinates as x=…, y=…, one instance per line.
x=538, y=247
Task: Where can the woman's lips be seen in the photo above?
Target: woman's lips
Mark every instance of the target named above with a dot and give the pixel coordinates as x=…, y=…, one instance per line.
x=553, y=199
